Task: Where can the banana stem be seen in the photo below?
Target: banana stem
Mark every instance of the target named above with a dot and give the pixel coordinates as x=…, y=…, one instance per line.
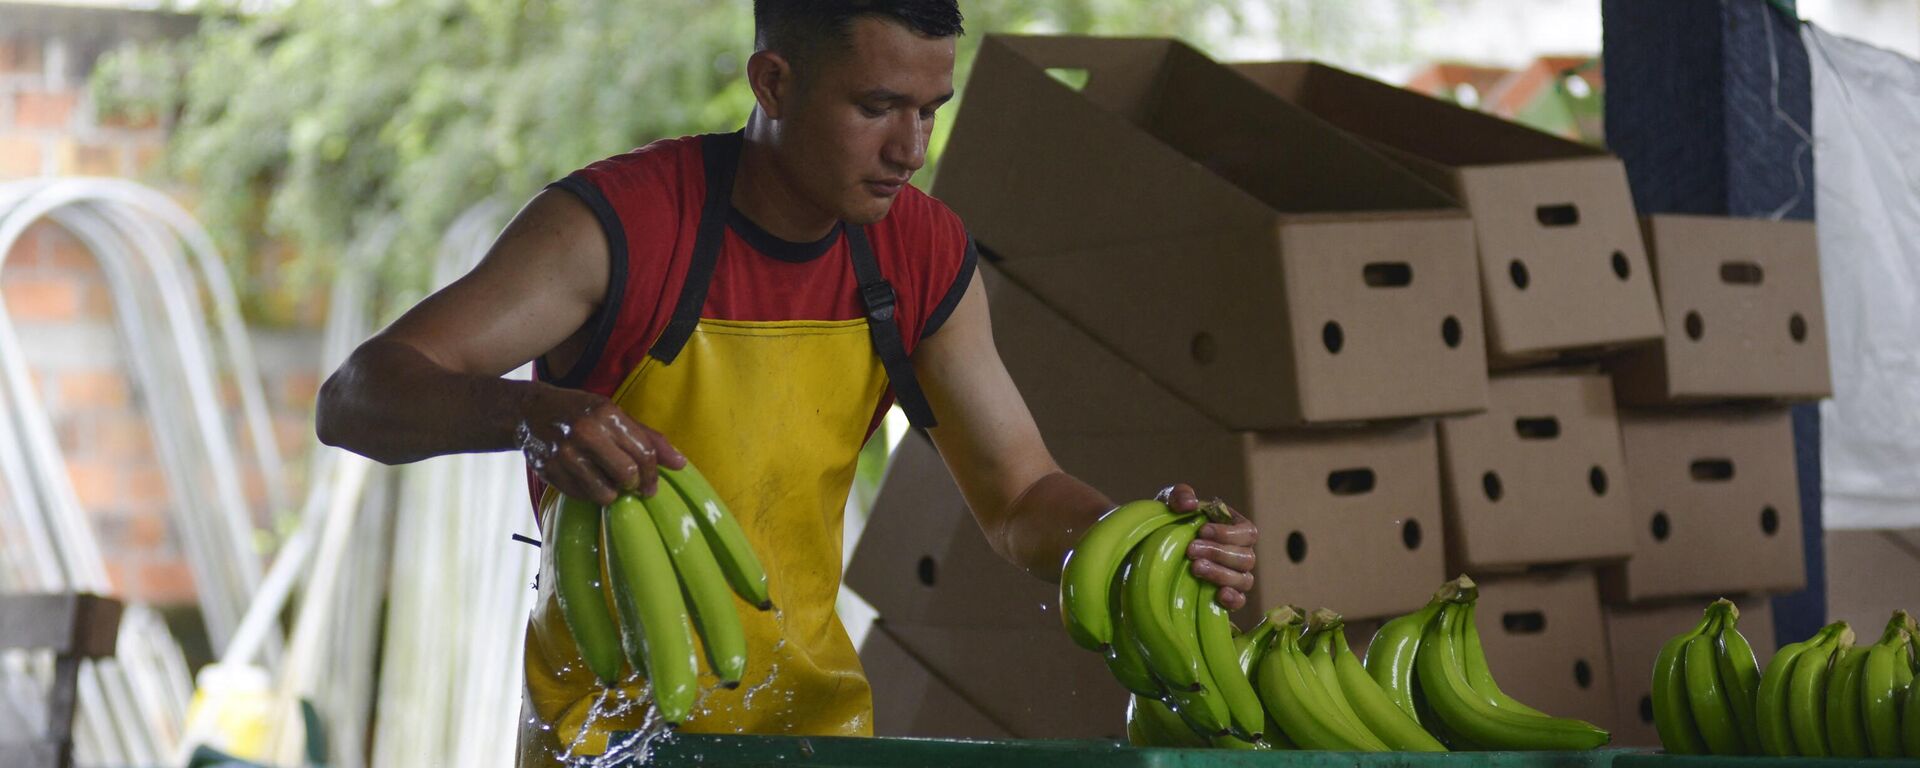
x=1216, y=511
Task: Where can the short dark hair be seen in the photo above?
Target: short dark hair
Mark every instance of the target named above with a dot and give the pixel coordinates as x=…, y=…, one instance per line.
x=799, y=29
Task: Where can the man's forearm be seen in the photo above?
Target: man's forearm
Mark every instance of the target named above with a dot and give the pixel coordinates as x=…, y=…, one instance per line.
x=1045, y=521
x=390, y=403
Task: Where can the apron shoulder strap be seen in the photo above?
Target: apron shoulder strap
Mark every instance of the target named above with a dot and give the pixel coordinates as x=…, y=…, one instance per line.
x=878, y=297
x=720, y=154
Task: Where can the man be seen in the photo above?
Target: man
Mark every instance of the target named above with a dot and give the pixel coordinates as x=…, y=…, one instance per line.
x=754, y=302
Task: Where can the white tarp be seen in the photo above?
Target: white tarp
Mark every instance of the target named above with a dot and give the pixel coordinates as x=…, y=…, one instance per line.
x=1866, y=119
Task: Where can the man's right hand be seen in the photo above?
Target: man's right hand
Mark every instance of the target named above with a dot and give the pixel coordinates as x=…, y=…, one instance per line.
x=586, y=447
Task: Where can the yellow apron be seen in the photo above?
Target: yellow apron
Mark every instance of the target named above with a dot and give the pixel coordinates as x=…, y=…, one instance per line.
x=774, y=414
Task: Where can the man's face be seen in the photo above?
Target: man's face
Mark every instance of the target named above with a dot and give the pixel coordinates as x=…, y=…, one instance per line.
x=860, y=125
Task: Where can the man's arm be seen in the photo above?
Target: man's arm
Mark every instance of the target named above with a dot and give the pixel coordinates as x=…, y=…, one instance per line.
x=1030, y=510
x=430, y=383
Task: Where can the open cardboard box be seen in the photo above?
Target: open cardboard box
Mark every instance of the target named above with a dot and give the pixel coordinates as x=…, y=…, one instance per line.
x=909, y=700
x=1538, y=478
x=1563, y=271
x=1716, y=505
x=922, y=559
x=1743, y=311
x=1269, y=270
x=1349, y=518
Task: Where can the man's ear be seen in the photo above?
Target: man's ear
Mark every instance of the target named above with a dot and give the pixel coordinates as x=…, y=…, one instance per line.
x=771, y=77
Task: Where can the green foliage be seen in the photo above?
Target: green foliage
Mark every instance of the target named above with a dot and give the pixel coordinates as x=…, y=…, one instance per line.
x=306, y=124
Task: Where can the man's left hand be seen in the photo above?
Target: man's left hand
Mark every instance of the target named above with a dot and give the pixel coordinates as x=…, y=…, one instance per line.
x=1222, y=554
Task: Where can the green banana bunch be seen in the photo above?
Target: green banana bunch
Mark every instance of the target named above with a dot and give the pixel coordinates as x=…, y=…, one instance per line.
x=1807, y=693
x=1299, y=702
x=1468, y=704
x=1376, y=711
x=1705, y=686
x=635, y=578
x=1777, y=710
x=1151, y=724
x=1885, y=675
x=1203, y=707
x=1092, y=564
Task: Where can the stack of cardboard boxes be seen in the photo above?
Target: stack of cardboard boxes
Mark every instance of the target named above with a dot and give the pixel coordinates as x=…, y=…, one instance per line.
x=1392, y=332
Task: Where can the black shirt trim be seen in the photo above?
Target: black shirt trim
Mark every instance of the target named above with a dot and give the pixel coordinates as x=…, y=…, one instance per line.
x=954, y=292
x=603, y=318
x=774, y=246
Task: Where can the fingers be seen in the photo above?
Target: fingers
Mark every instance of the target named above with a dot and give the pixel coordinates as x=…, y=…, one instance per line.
x=1180, y=497
x=1237, y=558
x=579, y=476
x=1230, y=598
x=1220, y=575
x=620, y=448
x=1240, y=533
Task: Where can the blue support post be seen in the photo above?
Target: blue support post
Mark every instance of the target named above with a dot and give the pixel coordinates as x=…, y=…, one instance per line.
x=1710, y=105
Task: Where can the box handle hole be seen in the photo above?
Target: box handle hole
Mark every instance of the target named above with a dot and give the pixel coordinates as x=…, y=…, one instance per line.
x=1387, y=274
x=1537, y=427
x=1741, y=273
x=1711, y=470
x=1523, y=622
x=1350, y=482
x=1562, y=215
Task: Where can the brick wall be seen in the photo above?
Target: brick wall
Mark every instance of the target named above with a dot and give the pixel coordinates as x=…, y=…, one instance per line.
x=58, y=299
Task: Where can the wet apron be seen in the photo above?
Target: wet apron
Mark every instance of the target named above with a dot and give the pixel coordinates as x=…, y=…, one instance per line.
x=774, y=414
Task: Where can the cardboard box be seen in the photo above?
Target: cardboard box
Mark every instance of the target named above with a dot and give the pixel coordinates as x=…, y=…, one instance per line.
x=1265, y=268
x=1635, y=636
x=1562, y=266
x=908, y=700
x=1349, y=518
x=1538, y=478
x=923, y=559
x=1870, y=574
x=1034, y=682
x=1743, y=311
x=1716, y=505
x=1546, y=642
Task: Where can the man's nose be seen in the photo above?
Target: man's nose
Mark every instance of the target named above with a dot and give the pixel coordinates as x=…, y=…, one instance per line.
x=907, y=142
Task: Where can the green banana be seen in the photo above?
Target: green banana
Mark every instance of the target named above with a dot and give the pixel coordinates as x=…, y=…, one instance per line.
x=1910, y=722
x=1251, y=646
x=1846, y=724
x=1378, y=713
x=656, y=633
x=1247, y=718
x=1316, y=642
x=1123, y=654
x=1088, y=572
x=1740, y=675
x=1672, y=710
x=705, y=588
x=1479, y=675
x=1203, y=707
x=724, y=536
x=1155, y=565
x=1391, y=653
x=1296, y=700
x=1880, y=687
x=1807, y=693
x=1706, y=699
x=573, y=530
x=1440, y=670
x=1151, y=724
x=1770, y=701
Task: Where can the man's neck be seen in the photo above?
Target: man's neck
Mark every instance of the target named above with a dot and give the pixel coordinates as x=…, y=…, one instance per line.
x=766, y=197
